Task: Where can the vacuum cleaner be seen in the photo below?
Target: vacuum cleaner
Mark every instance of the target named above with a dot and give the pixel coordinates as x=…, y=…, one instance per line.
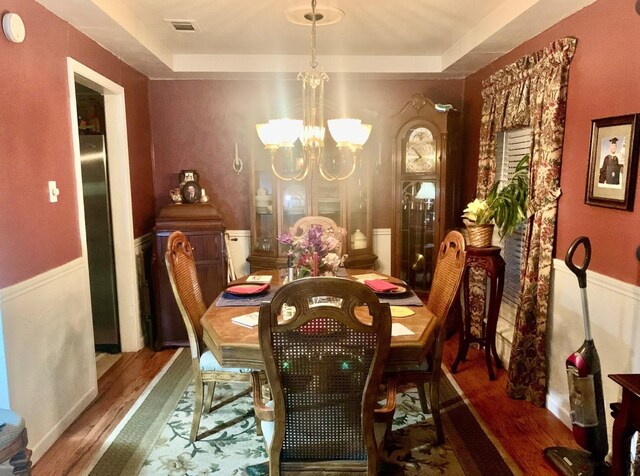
x=585, y=392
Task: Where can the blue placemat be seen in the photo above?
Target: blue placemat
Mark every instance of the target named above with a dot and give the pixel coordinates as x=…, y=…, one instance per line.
x=406, y=299
x=231, y=300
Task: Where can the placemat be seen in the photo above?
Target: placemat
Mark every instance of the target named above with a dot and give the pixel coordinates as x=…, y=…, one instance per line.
x=229, y=300
x=406, y=299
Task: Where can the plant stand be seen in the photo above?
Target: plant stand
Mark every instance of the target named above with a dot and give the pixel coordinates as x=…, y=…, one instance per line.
x=489, y=260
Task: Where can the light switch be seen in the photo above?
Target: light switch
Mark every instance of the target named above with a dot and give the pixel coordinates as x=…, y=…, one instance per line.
x=54, y=191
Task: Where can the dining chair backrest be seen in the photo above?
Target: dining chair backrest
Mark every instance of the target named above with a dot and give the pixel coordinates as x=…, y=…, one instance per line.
x=330, y=228
x=324, y=365
x=183, y=276
x=448, y=275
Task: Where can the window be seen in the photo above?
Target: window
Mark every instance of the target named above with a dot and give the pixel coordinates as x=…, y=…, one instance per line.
x=511, y=147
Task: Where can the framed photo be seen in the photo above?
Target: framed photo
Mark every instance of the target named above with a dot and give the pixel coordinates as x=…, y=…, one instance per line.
x=613, y=162
x=191, y=192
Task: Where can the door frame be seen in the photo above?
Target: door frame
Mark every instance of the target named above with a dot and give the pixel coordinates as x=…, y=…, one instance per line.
x=131, y=337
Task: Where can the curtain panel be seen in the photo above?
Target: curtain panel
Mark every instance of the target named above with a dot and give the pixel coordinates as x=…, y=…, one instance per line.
x=530, y=92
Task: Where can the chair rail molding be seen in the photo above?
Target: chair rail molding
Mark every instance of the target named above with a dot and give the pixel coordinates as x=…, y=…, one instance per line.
x=241, y=249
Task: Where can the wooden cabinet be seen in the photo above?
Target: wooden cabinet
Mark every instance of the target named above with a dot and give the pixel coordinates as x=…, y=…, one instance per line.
x=203, y=227
x=277, y=204
x=426, y=188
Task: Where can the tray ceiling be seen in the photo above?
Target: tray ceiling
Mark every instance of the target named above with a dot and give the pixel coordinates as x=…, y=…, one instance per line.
x=249, y=38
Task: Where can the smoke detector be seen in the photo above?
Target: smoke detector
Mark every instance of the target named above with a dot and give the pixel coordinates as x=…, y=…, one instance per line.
x=13, y=27
x=183, y=26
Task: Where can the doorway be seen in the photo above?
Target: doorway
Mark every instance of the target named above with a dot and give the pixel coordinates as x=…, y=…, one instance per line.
x=119, y=185
x=98, y=226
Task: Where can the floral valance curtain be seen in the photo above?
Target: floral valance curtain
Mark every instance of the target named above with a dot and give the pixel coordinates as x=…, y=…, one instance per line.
x=531, y=92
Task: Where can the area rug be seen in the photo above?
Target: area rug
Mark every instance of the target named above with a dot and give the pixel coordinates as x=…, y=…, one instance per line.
x=153, y=437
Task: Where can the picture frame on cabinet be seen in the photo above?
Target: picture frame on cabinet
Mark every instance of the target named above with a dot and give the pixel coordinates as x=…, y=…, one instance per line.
x=191, y=192
x=613, y=162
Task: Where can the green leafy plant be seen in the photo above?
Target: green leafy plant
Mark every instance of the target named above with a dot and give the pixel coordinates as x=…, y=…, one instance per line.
x=505, y=206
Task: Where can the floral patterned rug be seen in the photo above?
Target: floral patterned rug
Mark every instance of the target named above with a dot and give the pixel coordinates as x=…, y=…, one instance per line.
x=154, y=440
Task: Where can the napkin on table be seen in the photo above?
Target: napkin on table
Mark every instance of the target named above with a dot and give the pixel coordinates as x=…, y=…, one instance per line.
x=380, y=285
x=241, y=289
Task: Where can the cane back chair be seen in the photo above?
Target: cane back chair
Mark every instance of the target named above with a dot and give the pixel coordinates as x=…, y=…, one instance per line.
x=330, y=228
x=324, y=366
x=444, y=290
x=186, y=289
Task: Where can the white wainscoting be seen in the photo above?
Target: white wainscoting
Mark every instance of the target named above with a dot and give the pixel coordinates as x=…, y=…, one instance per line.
x=382, y=248
x=50, y=353
x=614, y=309
x=239, y=250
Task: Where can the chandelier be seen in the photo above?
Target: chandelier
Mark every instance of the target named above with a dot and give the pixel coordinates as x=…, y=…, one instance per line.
x=279, y=135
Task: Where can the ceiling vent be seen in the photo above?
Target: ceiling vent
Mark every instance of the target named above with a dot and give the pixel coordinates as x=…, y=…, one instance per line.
x=182, y=25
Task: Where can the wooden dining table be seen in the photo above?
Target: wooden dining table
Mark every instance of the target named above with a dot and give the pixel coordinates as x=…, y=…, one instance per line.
x=237, y=346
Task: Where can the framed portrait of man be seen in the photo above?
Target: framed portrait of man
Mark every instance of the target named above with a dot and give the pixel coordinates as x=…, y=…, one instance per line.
x=613, y=162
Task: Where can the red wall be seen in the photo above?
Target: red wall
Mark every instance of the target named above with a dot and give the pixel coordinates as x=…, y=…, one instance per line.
x=196, y=123
x=35, y=142
x=604, y=81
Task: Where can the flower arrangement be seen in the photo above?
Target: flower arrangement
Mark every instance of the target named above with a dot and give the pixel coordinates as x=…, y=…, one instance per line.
x=314, y=253
x=506, y=206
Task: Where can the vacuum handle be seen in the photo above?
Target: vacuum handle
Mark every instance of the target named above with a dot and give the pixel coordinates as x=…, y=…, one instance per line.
x=579, y=271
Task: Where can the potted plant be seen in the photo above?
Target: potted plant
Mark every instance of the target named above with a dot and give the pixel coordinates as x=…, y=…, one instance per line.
x=504, y=207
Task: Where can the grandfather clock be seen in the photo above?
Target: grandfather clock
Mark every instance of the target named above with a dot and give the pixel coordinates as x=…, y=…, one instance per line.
x=426, y=187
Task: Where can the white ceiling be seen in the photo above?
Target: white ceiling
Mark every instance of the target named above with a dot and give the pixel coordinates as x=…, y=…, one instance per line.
x=248, y=38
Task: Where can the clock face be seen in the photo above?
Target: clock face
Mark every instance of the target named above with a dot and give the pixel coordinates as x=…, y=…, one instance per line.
x=420, y=152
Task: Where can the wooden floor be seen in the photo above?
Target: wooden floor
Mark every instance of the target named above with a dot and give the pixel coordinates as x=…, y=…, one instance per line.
x=118, y=390
x=523, y=429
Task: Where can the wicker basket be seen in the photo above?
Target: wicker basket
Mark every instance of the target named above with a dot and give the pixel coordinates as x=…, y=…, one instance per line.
x=480, y=235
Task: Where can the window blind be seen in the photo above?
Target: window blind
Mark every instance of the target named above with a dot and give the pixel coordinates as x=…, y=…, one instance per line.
x=511, y=147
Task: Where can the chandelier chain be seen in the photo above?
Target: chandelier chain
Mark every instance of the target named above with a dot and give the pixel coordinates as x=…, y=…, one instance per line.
x=313, y=63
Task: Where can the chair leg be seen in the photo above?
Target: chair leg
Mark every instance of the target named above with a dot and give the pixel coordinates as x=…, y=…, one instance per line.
x=423, y=397
x=434, y=398
x=258, y=421
x=197, y=409
x=211, y=387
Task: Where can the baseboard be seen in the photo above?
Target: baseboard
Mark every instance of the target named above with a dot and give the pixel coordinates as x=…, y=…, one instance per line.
x=59, y=428
x=561, y=413
x=503, y=346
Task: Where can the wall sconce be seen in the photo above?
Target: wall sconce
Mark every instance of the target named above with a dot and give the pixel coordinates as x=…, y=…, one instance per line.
x=237, y=162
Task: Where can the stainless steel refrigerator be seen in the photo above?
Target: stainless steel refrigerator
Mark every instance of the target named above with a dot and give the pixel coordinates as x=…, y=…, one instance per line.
x=102, y=271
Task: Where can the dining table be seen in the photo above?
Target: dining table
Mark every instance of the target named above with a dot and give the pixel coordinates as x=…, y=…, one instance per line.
x=237, y=346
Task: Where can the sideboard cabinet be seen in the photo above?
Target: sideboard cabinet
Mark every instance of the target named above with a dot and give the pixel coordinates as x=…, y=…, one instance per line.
x=203, y=226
